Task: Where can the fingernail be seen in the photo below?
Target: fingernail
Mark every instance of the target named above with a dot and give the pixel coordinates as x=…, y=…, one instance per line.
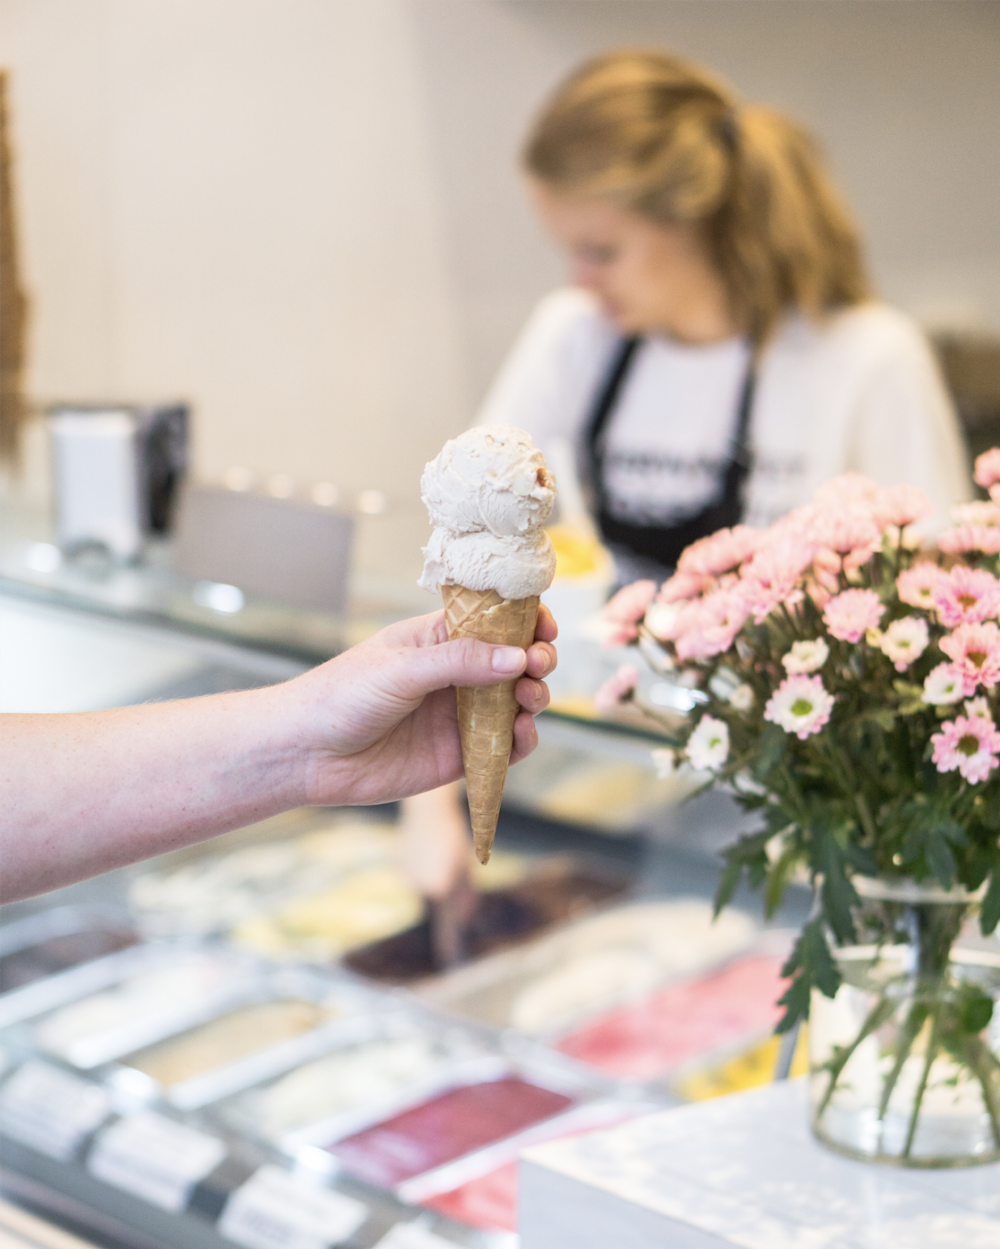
x=508, y=659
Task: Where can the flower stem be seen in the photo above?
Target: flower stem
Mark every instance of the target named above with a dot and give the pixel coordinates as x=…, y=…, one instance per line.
x=987, y=1071
x=880, y=1013
x=911, y=1030
x=932, y=1048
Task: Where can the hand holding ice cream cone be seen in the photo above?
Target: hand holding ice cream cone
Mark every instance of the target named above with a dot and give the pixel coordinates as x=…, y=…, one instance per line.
x=488, y=494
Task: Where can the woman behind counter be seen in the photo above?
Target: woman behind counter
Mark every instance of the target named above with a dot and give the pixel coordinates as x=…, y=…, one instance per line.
x=719, y=353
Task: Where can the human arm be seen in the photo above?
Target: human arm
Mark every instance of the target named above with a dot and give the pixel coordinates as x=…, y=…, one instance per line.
x=88, y=792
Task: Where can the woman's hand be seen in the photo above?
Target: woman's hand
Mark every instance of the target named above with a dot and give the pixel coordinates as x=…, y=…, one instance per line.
x=379, y=722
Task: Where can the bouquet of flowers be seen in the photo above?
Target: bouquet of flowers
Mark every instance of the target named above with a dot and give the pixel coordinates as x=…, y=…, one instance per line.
x=845, y=686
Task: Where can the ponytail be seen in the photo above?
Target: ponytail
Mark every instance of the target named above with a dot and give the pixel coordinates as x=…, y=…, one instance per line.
x=667, y=139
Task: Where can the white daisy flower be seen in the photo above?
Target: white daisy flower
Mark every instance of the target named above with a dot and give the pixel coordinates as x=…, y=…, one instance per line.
x=904, y=641
x=943, y=685
x=806, y=657
x=742, y=698
x=800, y=705
x=978, y=707
x=708, y=745
x=660, y=619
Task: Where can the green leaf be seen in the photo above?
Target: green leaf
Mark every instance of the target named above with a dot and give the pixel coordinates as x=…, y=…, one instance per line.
x=748, y=854
x=773, y=744
x=811, y=965
x=729, y=878
x=839, y=895
x=883, y=717
x=778, y=878
x=940, y=859
x=989, y=914
x=975, y=1009
x=860, y=858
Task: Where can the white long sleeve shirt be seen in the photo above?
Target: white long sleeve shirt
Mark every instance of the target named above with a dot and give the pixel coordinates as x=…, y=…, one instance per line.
x=859, y=392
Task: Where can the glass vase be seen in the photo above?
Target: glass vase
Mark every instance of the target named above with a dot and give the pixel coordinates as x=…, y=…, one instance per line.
x=905, y=1059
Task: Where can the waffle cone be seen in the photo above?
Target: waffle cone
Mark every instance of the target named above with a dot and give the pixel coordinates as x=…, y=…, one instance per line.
x=486, y=713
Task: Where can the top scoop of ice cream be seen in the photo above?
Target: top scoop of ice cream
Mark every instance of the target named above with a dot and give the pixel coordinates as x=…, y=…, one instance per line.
x=492, y=478
x=488, y=494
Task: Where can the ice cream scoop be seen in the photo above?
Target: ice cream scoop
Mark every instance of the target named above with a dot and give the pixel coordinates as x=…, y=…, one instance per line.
x=490, y=478
x=488, y=494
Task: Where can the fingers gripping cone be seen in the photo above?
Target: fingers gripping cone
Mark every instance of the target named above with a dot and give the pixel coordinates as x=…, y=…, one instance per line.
x=486, y=713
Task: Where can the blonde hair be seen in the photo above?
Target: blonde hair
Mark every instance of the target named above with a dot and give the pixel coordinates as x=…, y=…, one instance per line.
x=666, y=138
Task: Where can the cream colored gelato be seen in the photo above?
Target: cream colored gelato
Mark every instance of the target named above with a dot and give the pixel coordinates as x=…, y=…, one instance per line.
x=224, y=1040
x=342, y=1081
x=488, y=494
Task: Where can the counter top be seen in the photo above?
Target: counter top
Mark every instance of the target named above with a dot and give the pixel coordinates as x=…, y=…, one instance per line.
x=743, y=1170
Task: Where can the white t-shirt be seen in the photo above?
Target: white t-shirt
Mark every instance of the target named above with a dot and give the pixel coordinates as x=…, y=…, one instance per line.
x=860, y=392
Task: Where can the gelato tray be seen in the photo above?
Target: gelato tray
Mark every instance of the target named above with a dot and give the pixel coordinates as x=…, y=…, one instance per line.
x=680, y=1023
x=281, y=1021
x=158, y=991
x=587, y=968
x=214, y=893
x=551, y=891
x=391, y=1061
x=457, y=1122
x=56, y=941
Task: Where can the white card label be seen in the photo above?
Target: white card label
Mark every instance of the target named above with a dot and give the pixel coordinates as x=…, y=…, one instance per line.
x=410, y=1236
x=272, y=1211
x=49, y=1109
x=155, y=1158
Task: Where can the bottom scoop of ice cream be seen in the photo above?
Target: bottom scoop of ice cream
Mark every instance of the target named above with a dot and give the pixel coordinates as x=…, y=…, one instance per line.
x=515, y=567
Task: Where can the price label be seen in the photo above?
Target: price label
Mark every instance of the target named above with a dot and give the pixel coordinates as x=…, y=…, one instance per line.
x=272, y=1211
x=155, y=1158
x=410, y=1236
x=51, y=1110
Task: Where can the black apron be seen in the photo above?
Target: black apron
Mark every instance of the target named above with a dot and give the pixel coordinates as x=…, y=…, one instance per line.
x=663, y=544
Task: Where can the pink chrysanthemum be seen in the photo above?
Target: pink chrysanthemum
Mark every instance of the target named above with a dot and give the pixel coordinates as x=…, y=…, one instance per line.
x=968, y=744
x=904, y=641
x=772, y=576
x=681, y=586
x=902, y=506
x=616, y=689
x=988, y=467
x=720, y=552
x=966, y=596
x=709, y=627
x=851, y=614
x=800, y=705
x=916, y=585
x=847, y=530
x=622, y=613
x=974, y=650
x=965, y=538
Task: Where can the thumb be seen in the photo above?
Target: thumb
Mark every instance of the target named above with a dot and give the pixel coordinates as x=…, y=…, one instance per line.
x=461, y=662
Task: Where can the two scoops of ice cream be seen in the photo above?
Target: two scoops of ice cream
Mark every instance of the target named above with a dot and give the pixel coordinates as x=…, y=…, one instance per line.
x=488, y=494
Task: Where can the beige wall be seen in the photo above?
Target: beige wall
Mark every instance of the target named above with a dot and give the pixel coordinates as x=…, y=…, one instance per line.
x=303, y=214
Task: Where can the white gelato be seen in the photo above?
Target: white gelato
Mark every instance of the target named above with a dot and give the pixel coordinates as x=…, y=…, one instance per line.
x=488, y=494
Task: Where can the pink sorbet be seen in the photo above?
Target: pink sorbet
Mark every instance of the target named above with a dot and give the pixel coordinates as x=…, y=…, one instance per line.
x=682, y=1021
